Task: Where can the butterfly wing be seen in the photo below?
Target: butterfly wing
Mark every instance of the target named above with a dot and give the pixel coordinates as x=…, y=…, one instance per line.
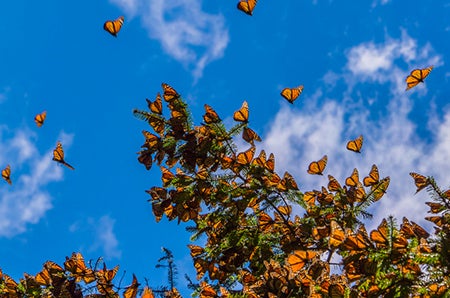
x=241, y=115
x=356, y=144
x=247, y=6
x=6, y=174
x=417, y=76
x=113, y=27
x=291, y=94
x=317, y=167
x=39, y=119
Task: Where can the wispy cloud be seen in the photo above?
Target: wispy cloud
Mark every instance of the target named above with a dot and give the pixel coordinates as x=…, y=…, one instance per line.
x=99, y=233
x=187, y=33
x=327, y=121
x=26, y=201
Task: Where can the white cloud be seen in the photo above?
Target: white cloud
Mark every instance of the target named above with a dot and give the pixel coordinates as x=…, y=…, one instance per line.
x=104, y=237
x=187, y=33
x=323, y=126
x=26, y=201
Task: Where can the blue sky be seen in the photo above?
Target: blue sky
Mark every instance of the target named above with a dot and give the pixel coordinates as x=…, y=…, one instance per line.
x=351, y=58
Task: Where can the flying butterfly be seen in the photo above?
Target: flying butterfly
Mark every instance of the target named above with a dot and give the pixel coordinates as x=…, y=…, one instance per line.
x=155, y=106
x=417, y=76
x=317, y=167
x=247, y=6
x=420, y=180
x=113, y=27
x=291, y=94
x=58, y=156
x=40, y=118
x=241, y=115
x=6, y=174
x=249, y=135
x=356, y=144
x=373, y=177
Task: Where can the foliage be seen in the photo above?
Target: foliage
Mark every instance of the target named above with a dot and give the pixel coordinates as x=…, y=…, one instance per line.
x=255, y=244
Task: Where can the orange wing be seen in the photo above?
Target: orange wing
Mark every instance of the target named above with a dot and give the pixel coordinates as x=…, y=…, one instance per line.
x=247, y=6
x=356, y=144
x=58, y=156
x=244, y=158
x=291, y=94
x=113, y=27
x=6, y=174
x=241, y=115
x=373, y=177
x=39, y=119
x=211, y=115
x=353, y=179
x=155, y=106
x=169, y=93
x=317, y=167
x=417, y=76
x=420, y=180
x=299, y=258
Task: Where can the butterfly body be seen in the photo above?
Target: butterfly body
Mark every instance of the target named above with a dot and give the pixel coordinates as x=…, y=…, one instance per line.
x=113, y=27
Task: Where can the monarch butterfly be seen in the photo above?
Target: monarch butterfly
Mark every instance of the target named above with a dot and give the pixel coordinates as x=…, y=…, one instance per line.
x=113, y=27
x=373, y=177
x=169, y=92
x=380, y=235
x=289, y=182
x=104, y=280
x=247, y=6
x=337, y=235
x=131, y=290
x=241, y=115
x=417, y=76
x=58, y=156
x=353, y=179
x=195, y=250
x=291, y=94
x=39, y=119
x=359, y=241
x=76, y=266
x=317, y=167
x=246, y=157
x=249, y=135
x=435, y=207
x=147, y=293
x=356, y=144
x=333, y=184
x=207, y=291
x=167, y=176
x=155, y=106
x=380, y=188
x=211, y=115
x=420, y=180
x=411, y=229
x=299, y=258
x=6, y=174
